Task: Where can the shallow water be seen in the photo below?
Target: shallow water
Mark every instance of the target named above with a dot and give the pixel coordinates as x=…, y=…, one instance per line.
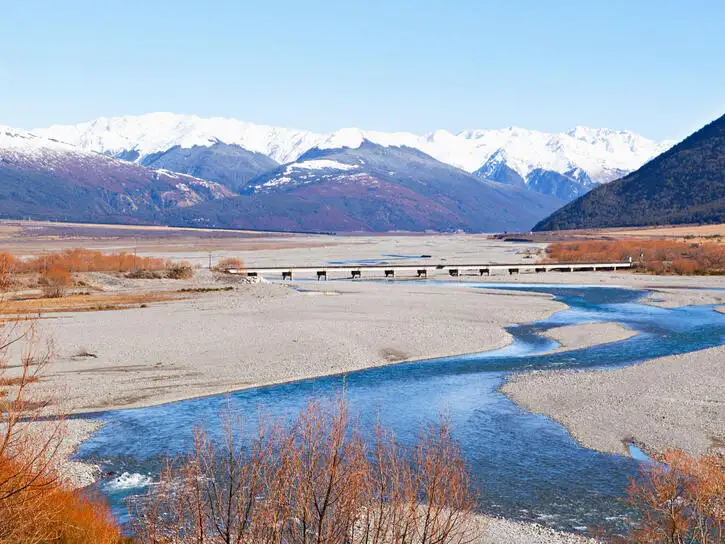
x=526, y=466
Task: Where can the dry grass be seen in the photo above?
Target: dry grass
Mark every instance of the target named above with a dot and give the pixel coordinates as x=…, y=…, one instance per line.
x=7, y=382
x=85, y=303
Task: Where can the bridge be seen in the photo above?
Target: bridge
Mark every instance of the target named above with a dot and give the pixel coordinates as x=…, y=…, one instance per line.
x=424, y=270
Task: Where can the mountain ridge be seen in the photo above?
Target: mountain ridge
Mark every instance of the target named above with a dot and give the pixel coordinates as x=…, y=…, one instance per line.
x=685, y=184
x=376, y=189
x=52, y=180
x=602, y=153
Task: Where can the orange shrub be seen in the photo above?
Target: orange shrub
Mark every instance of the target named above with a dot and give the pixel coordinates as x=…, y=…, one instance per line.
x=47, y=511
x=8, y=266
x=679, y=501
x=55, y=280
x=313, y=481
x=84, y=260
x=656, y=256
x=228, y=263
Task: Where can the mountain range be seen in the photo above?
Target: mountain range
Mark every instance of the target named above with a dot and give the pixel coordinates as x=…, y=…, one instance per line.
x=685, y=184
x=565, y=164
x=177, y=169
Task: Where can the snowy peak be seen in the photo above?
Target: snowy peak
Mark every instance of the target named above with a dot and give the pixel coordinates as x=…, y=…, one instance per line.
x=602, y=153
x=158, y=132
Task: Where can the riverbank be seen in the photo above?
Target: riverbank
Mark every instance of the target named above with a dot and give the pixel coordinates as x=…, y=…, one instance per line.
x=671, y=402
x=267, y=333
x=586, y=335
x=500, y=531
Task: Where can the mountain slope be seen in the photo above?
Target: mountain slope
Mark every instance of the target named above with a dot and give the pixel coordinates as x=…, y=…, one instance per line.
x=602, y=153
x=373, y=188
x=46, y=179
x=228, y=164
x=496, y=168
x=686, y=184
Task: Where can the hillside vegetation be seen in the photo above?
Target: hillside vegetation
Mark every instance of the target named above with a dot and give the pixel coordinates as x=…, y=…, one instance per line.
x=683, y=185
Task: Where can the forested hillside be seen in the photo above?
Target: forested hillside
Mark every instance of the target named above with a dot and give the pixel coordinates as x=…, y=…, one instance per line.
x=685, y=184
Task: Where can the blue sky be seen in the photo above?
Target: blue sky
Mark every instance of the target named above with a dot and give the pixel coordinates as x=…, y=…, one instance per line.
x=654, y=67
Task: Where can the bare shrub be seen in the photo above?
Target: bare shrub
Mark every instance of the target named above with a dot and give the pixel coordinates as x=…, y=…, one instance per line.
x=679, y=501
x=179, y=270
x=55, y=281
x=314, y=481
x=35, y=503
x=8, y=268
x=229, y=263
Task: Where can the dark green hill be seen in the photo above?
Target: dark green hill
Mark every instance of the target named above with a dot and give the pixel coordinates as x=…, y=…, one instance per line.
x=686, y=184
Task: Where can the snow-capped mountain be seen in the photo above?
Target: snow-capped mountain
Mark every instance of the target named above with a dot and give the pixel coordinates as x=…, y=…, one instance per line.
x=44, y=178
x=603, y=154
x=371, y=187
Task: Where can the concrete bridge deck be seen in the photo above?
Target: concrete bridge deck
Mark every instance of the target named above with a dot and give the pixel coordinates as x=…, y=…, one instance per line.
x=423, y=270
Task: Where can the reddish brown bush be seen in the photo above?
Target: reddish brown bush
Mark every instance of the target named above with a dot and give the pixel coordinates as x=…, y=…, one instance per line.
x=8, y=267
x=656, y=256
x=314, y=481
x=680, y=501
x=35, y=504
x=55, y=281
x=229, y=263
x=84, y=260
x=179, y=270
x=43, y=510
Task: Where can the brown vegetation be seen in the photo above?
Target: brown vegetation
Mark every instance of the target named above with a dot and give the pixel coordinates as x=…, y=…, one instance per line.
x=85, y=302
x=54, y=281
x=80, y=260
x=229, y=263
x=680, y=501
x=312, y=482
x=655, y=256
x=179, y=271
x=56, y=269
x=36, y=506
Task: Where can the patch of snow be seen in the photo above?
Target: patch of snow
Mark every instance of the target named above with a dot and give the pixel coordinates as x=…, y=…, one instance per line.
x=321, y=164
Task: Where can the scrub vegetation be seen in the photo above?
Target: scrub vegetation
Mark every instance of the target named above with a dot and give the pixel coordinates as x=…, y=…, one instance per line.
x=683, y=257
x=55, y=273
x=680, y=501
x=313, y=481
x=36, y=504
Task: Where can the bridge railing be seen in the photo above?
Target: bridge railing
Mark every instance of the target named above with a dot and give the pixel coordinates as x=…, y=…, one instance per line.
x=424, y=270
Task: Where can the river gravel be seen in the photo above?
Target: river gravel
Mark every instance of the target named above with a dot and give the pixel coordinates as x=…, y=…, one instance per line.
x=670, y=402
